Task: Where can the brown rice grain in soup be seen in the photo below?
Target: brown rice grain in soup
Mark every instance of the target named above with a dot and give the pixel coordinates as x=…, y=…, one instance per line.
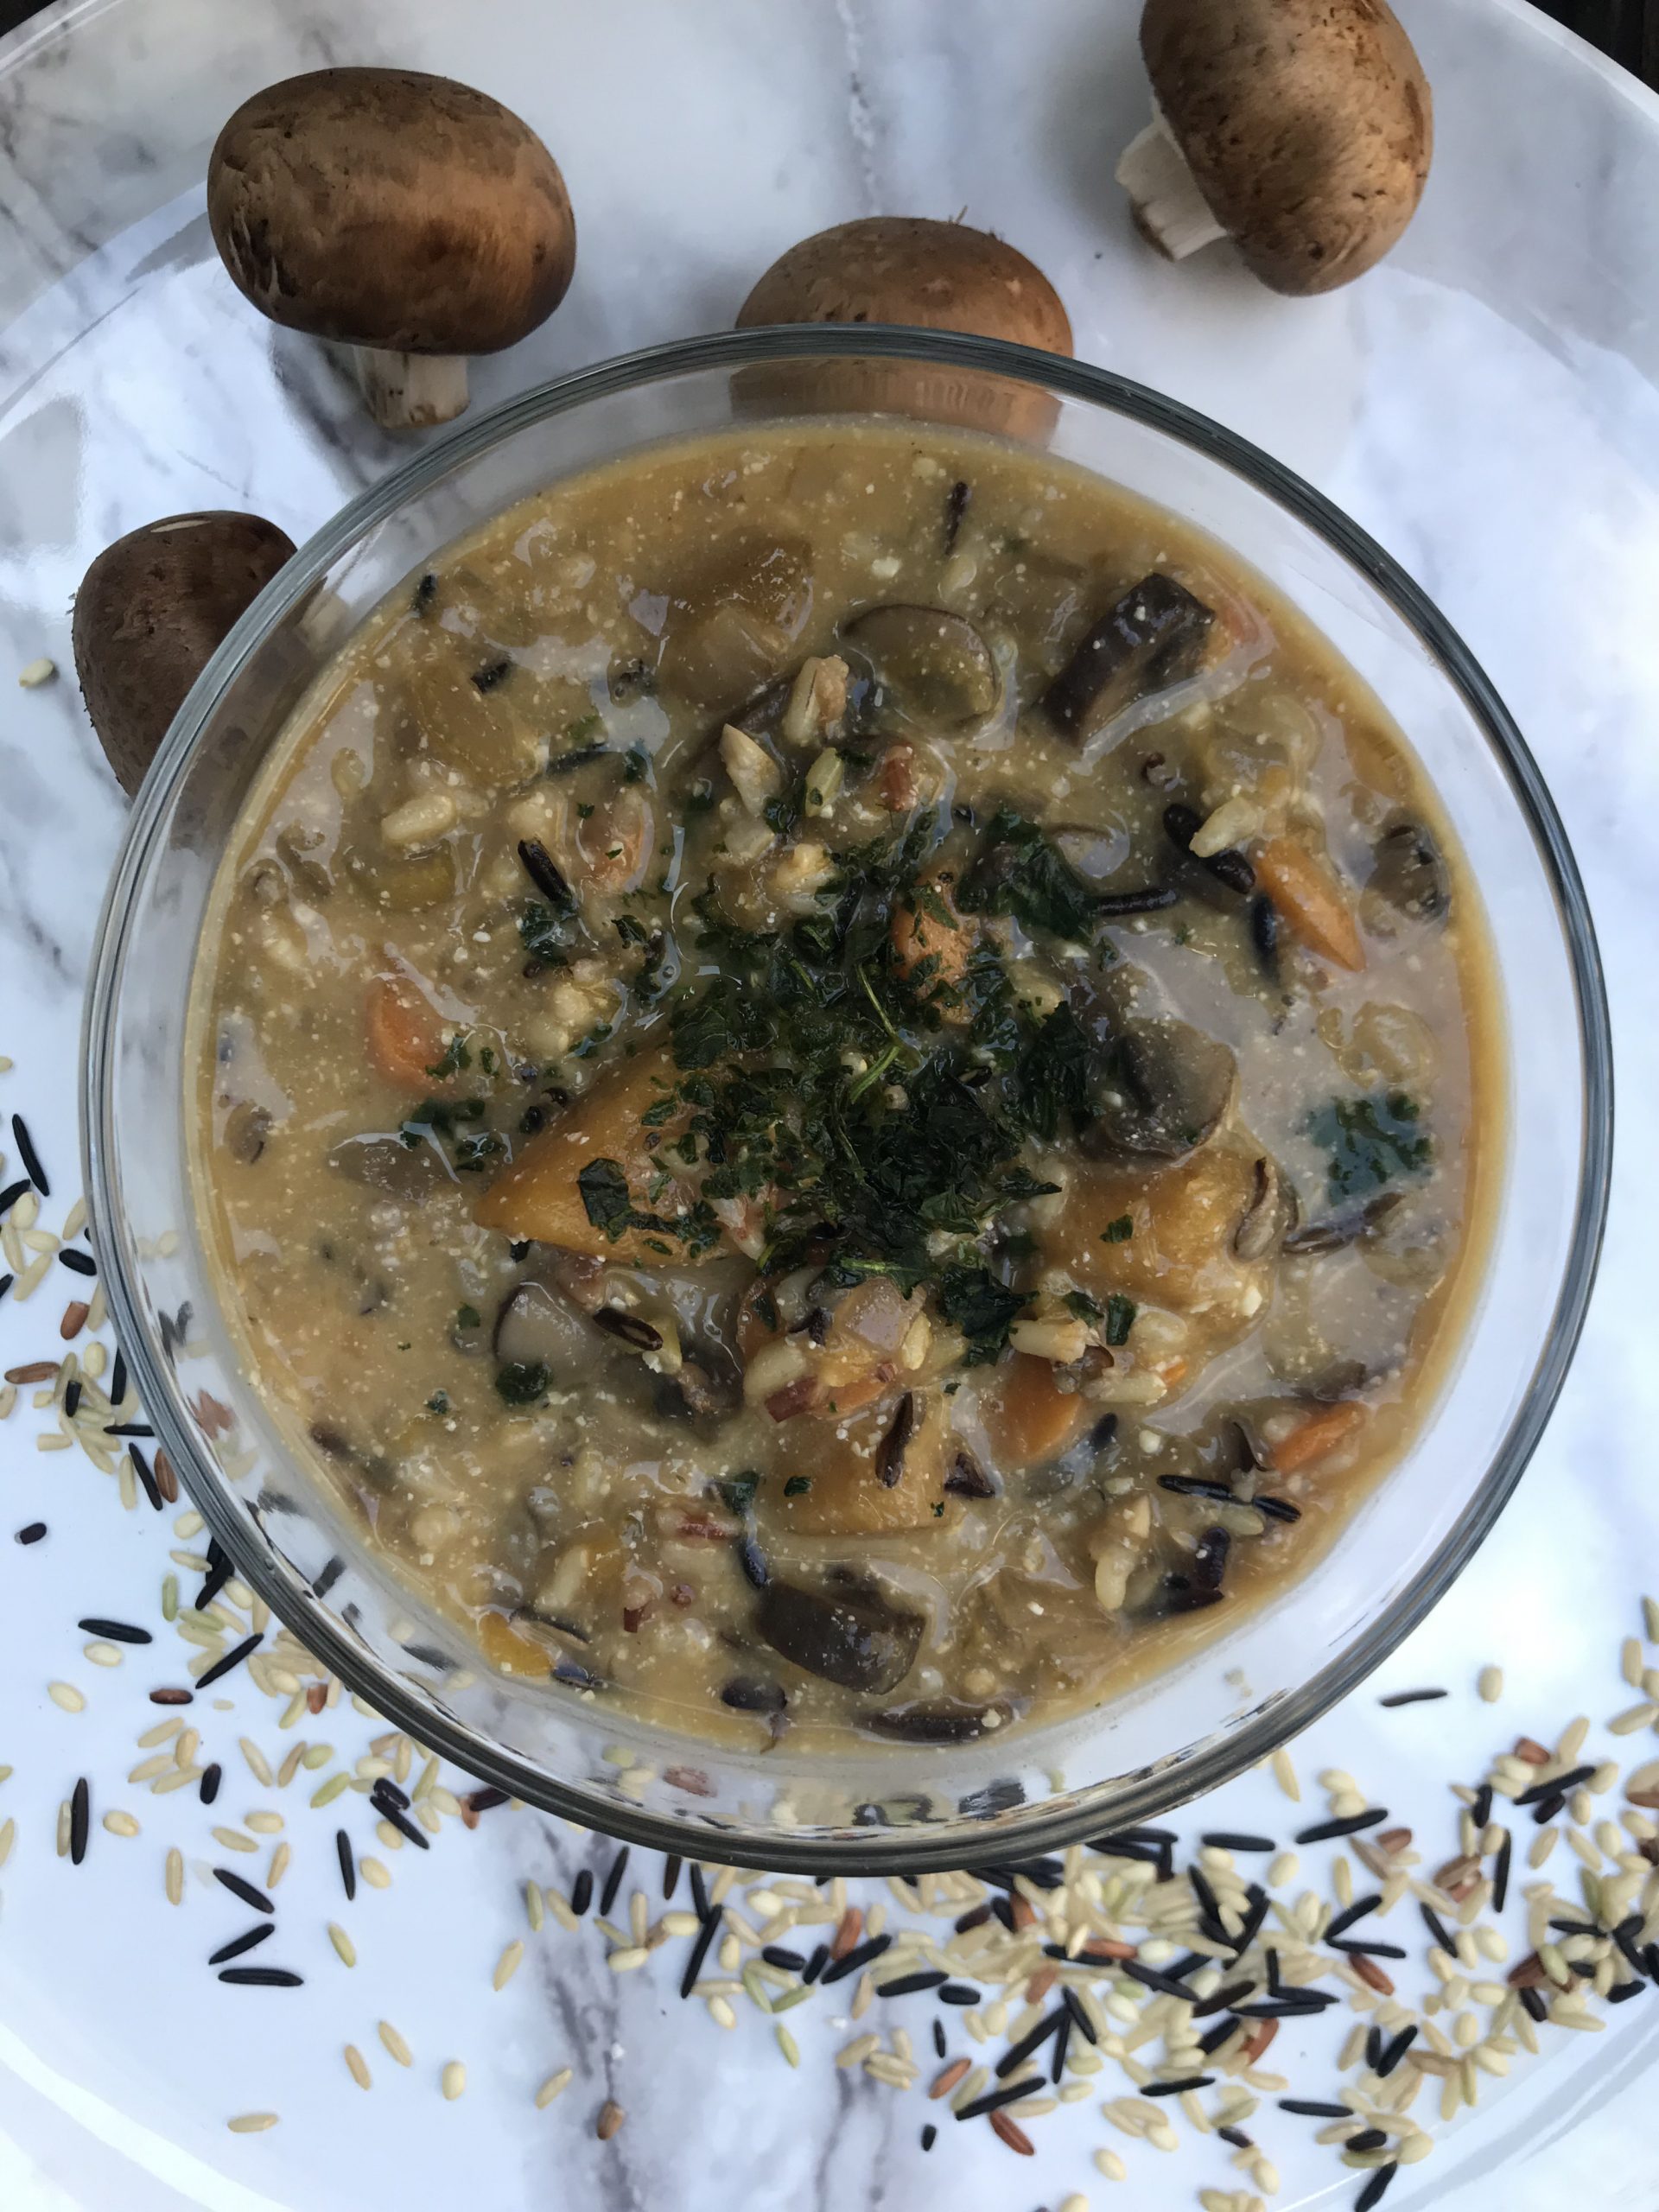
x=832, y=1124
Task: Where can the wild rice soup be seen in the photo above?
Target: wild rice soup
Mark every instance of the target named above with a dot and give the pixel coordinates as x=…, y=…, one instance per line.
x=846, y=1084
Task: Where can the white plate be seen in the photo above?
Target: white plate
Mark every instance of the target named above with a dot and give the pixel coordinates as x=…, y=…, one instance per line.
x=1487, y=404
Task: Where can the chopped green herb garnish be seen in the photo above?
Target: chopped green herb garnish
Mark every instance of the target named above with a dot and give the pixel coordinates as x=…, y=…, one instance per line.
x=521, y=1382
x=797, y=1485
x=456, y=1055
x=438, y=1402
x=1019, y=872
x=738, y=1491
x=468, y=1317
x=1120, y=1317
x=1372, y=1141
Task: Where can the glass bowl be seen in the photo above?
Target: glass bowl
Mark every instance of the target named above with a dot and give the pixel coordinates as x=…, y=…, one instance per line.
x=1219, y=1709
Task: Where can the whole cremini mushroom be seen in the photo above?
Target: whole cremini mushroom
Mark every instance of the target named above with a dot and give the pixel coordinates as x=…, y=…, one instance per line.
x=1302, y=129
x=410, y=217
x=935, y=276
x=150, y=613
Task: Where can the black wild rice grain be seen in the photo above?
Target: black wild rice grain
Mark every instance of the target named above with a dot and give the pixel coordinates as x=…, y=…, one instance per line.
x=332, y=1571
x=1369, y=2138
x=113, y=1632
x=1223, y=1999
x=939, y=2044
x=80, y=1815
x=1329, y=1831
x=1210, y=1905
x=30, y=1158
x=1017, y=2053
x=581, y=1895
x=1373, y=2193
x=386, y=1792
x=1306, y=2108
x=255, y=1899
x=1481, y=1811
x=10, y=1195
x=172, y=1697
x=1061, y=2051
x=1373, y=2047
x=485, y=1800
x=78, y=1263
x=699, y=1891
x=1225, y=1840
x=957, y=1992
x=1395, y=2052
x=1236, y=2137
x=1177, y=2089
x=910, y=1985
x=631, y=1328
x=128, y=1428
x=994, y=2099
x=211, y=1777
x=775, y=1955
x=890, y=1460
x=544, y=873
x=262, y=1978
x=1277, y=1508
x=1534, y=2004
x=671, y=1866
x=816, y=1965
x=861, y=1954
x=1195, y=1486
x=141, y=1468
x=1357, y=1910
x=955, y=506
x=231, y=1660
x=1437, y=1928
x=1546, y=1810
x=1409, y=1697
x=1622, y=1992
x=493, y=673
x=33, y=1533
x=219, y=1573
x=239, y=1944
x=71, y=1398
x=1149, y=1978
x=929, y=2136
x=706, y=1934
x=1079, y=2011
x=405, y=1827
x=118, y=1379
x=1212, y=2038
x=977, y=1918
x=1252, y=1920
x=612, y=1883
x=1501, y=1871
x=6, y=1282
x=1358, y=1947
x=1109, y=904
x=347, y=1864
x=1559, y=1784
x=1291, y=2005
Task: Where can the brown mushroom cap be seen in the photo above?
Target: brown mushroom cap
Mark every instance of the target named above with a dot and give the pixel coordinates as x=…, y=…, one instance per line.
x=935, y=276
x=1308, y=124
x=386, y=208
x=148, y=615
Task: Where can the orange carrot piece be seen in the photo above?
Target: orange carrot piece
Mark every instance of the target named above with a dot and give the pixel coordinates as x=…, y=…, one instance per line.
x=1310, y=901
x=1026, y=1419
x=406, y=1041
x=1318, y=1436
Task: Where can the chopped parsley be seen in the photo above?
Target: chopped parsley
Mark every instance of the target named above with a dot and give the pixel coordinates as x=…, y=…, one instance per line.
x=1120, y=1230
x=1119, y=1319
x=1372, y=1142
x=456, y=1055
x=468, y=1317
x=521, y=1382
x=1020, y=872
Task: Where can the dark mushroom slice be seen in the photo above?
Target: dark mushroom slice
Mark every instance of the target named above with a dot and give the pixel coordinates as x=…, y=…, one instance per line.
x=1152, y=639
x=1410, y=872
x=851, y=1636
x=247, y=1128
x=1338, y=1231
x=1162, y=1090
x=933, y=667
x=748, y=1694
x=731, y=624
x=409, y=1174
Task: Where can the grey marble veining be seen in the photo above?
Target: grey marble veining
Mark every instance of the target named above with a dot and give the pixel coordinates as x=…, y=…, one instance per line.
x=1487, y=404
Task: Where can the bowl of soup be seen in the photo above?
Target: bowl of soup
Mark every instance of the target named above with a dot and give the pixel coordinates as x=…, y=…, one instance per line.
x=813, y=1092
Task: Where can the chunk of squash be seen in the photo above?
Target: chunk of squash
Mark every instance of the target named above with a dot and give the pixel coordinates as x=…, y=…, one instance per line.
x=540, y=1197
x=841, y=1460
x=1179, y=1251
x=1027, y=1417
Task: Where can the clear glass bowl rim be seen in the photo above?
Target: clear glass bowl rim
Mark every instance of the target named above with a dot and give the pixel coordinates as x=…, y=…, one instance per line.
x=884, y=1851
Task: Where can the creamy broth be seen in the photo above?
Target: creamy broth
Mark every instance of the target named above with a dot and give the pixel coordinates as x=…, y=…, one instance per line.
x=846, y=1084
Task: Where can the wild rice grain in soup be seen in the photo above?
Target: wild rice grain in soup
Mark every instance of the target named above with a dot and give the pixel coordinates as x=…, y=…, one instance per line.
x=846, y=1084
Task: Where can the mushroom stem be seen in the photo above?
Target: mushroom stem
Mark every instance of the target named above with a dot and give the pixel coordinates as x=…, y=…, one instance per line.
x=1170, y=211
x=410, y=392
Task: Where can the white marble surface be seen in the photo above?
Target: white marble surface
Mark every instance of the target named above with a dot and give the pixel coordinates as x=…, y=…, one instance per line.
x=1487, y=404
